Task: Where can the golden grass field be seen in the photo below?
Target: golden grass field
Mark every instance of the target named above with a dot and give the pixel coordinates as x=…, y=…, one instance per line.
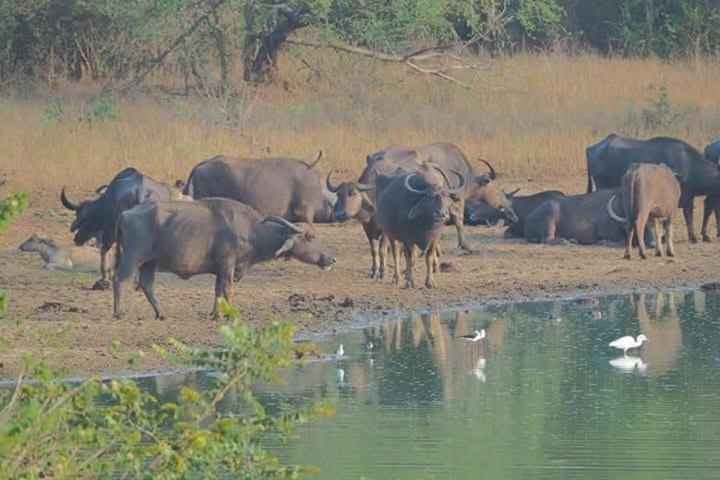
x=531, y=115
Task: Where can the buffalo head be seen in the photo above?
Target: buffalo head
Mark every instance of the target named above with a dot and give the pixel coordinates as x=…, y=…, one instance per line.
x=300, y=244
x=434, y=203
x=351, y=199
x=483, y=188
x=88, y=218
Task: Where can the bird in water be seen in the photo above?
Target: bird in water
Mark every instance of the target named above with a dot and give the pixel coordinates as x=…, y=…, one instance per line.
x=340, y=351
x=475, y=336
x=629, y=364
x=626, y=343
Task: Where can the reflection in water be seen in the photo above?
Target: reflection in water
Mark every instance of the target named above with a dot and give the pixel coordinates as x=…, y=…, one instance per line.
x=535, y=399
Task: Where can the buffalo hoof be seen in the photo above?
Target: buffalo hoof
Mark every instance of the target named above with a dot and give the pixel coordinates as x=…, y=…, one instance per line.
x=706, y=238
x=101, y=284
x=396, y=280
x=430, y=283
x=627, y=256
x=693, y=239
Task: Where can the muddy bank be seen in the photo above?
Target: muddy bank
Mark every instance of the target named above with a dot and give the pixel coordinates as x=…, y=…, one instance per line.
x=57, y=313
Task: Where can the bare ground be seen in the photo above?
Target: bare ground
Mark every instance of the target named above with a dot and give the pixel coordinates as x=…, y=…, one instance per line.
x=57, y=313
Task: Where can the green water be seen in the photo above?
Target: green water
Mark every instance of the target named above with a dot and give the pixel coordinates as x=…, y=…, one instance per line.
x=543, y=396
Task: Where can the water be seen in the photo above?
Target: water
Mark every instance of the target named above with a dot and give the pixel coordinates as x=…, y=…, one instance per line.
x=542, y=397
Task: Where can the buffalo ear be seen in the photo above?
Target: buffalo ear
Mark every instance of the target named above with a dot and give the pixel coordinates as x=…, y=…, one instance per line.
x=286, y=246
x=482, y=180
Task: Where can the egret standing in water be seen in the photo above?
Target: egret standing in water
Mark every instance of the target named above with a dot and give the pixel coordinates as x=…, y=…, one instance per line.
x=340, y=351
x=475, y=336
x=628, y=342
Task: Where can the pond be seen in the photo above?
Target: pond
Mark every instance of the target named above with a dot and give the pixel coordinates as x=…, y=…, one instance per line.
x=543, y=396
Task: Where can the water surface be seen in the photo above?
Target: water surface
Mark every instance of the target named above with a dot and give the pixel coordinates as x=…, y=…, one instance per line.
x=543, y=396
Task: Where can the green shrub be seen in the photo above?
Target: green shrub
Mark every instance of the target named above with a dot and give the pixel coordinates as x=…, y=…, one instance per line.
x=53, y=429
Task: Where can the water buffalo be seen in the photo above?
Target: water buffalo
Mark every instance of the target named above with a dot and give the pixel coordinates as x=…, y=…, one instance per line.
x=712, y=202
x=97, y=218
x=649, y=192
x=583, y=218
x=212, y=236
x=285, y=187
x=608, y=161
x=412, y=209
x=480, y=212
x=479, y=186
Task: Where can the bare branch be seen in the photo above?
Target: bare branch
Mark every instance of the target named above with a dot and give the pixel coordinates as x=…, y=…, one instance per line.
x=411, y=59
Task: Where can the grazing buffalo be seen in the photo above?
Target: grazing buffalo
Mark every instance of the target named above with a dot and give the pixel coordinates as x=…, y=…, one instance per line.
x=608, y=161
x=649, y=192
x=97, y=218
x=213, y=236
x=412, y=209
x=480, y=212
x=283, y=187
x=479, y=186
x=583, y=218
x=712, y=202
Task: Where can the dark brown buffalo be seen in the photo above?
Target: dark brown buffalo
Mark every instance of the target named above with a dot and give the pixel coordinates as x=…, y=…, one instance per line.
x=523, y=205
x=712, y=202
x=649, y=192
x=582, y=218
x=284, y=187
x=411, y=210
x=97, y=218
x=479, y=186
x=212, y=236
x=608, y=160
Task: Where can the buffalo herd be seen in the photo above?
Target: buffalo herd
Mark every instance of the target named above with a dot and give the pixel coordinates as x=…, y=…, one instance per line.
x=232, y=213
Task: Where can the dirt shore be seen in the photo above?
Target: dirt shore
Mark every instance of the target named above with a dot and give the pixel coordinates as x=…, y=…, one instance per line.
x=57, y=312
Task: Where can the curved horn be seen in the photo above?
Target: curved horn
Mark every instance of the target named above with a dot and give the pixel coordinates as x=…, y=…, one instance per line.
x=612, y=213
x=461, y=183
x=100, y=188
x=67, y=203
x=319, y=156
x=332, y=188
x=493, y=175
x=282, y=221
x=364, y=187
x=511, y=194
x=410, y=187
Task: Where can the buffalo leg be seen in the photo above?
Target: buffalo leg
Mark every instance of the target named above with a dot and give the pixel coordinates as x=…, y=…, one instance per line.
x=657, y=227
x=105, y=268
x=223, y=288
x=125, y=271
x=459, y=218
x=707, y=211
x=629, y=241
x=430, y=260
x=146, y=283
x=669, y=236
x=410, y=262
x=639, y=227
x=688, y=212
x=396, y=259
x=374, y=254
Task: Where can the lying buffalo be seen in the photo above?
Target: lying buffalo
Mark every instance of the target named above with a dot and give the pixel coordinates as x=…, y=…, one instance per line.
x=479, y=186
x=411, y=210
x=97, y=218
x=582, y=218
x=608, y=161
x=523, y=205
x=273, y=186
x=649, y=192
x=212, y=236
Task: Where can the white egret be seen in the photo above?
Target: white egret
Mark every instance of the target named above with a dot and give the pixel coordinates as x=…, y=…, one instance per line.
x=628, y=364
x=475, y=336
x=628, y=342
x=340, y=351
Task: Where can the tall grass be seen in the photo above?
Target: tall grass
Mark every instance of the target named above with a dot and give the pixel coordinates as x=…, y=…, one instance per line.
x=531, y=115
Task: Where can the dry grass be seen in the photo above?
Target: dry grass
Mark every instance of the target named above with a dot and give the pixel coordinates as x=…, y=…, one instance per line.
x=531, y=115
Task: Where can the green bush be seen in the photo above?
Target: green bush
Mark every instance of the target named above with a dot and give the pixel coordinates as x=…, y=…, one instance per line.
x=53, y=429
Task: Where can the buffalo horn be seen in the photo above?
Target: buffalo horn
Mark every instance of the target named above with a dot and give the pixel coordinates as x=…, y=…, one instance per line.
x=410, y=187
x=332, y=188
x=493, y=175
x=612, y=213
x=282, y=221
x=67, y=203
x=364, y=187
x=511, y=194
x=100, y=188
x=461, y=182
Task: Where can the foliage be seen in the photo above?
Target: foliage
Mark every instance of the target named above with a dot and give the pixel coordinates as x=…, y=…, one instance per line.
x=10, y=208
x=93, y=429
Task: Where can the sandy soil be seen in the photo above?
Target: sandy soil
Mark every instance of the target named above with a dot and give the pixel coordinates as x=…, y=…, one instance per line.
x=72, y=325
